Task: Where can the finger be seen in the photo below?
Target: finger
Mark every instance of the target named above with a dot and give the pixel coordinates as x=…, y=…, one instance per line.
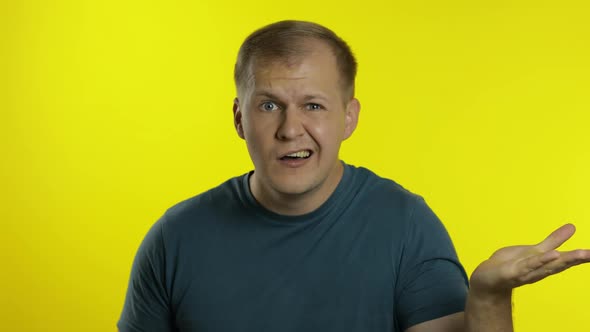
x=535, y=262
x=565, y=261
x=575, y=257
x=557, y=238
x=545, y=272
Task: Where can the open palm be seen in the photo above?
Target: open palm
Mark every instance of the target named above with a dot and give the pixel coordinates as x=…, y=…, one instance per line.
x=515, y=266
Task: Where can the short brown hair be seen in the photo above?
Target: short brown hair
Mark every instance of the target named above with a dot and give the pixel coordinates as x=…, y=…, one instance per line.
x=283, y=40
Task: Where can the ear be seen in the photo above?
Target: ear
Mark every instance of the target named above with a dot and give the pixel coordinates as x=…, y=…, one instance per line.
x=238, y=118
x=352, y=117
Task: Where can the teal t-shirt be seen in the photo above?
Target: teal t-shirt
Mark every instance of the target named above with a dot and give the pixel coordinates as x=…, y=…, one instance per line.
x=373, y=257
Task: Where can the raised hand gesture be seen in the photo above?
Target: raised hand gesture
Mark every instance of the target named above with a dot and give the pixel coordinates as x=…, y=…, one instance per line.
x=515, y=266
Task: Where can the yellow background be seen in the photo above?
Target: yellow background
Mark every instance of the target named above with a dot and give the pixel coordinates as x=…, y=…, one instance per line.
x=112, y=111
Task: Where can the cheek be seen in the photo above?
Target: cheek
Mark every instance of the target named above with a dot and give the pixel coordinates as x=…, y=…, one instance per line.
x=328, y=132
x=249, y=127
x=253, y=140
x=256, y=134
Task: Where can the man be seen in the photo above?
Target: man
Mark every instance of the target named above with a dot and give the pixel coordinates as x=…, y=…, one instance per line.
x=306, y=242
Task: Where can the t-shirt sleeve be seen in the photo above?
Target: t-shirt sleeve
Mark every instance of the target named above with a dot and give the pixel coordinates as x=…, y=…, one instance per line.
x=146, y=306
x=432, y=282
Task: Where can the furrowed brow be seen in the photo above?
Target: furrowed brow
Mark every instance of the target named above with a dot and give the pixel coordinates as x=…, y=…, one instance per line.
x=314, y=97
x=266, y=94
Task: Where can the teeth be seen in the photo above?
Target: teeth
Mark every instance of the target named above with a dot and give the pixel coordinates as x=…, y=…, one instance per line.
x=299, y=154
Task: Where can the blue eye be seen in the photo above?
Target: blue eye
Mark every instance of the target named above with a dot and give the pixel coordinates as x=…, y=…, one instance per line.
x=268, y=106
x=314, y=107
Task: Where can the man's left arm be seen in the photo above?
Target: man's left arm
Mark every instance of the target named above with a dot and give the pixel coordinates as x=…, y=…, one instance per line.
x=450, y=323
x=489, y=303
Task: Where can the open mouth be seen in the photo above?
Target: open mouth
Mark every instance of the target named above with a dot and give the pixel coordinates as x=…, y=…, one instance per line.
x=303, y=154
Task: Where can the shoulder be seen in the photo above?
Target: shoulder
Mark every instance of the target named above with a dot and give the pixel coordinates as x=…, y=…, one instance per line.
x=382, y=193
x=203, y=208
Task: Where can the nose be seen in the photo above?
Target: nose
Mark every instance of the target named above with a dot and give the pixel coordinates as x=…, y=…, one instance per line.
x=291, y=124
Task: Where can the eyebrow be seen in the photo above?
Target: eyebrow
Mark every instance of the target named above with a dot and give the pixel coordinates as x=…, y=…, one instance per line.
x=311, y=97
x=266, y=94
x=305, y=98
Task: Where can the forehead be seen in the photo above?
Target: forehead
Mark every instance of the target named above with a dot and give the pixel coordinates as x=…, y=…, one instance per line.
x=314, y=64
x=304, y=50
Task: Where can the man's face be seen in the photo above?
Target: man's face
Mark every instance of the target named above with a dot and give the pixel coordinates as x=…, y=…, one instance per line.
x=294, y=117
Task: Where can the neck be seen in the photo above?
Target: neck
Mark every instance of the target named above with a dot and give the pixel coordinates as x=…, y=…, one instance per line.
x=294, y=204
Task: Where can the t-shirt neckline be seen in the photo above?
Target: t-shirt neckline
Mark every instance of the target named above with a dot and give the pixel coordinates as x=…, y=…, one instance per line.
x=269, y=215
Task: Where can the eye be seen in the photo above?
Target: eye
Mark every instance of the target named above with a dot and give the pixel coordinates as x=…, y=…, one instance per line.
x=269, y=106
x=314, y=107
